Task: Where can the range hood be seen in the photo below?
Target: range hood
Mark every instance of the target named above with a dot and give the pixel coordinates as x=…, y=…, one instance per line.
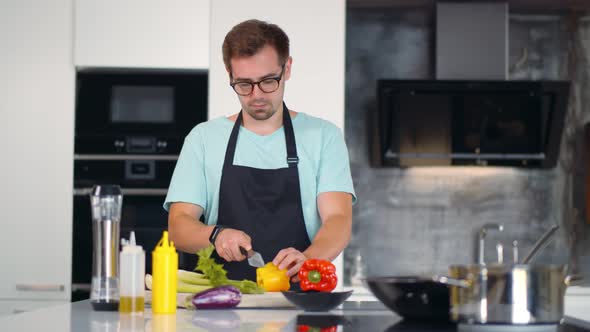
x=471, y=114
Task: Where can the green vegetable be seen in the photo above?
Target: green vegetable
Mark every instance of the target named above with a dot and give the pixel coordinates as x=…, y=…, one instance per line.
x=183, y=287
x=148, y=281
x=217, y=275
x=214, y=275
x=246, y=286
x=212, y=270
x=183, y=284
x=192, y=278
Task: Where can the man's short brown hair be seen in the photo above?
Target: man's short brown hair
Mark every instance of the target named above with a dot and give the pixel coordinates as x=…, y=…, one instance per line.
x=248, y=37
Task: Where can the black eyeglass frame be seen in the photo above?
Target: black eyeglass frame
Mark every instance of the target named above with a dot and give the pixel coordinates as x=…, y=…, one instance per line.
x=276, y=78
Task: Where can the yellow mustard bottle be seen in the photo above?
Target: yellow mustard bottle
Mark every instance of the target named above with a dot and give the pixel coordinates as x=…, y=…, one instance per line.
x=164, y=274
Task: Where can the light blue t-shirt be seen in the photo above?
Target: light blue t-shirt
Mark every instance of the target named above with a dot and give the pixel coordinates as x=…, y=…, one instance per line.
x=323, y=163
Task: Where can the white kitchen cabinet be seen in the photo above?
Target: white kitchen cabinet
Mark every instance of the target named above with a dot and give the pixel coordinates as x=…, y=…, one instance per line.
x=37, y=128
x=17, y=307
x=316, y=30
x=171, y=34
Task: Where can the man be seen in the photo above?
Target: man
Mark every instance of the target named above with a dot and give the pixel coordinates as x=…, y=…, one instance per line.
x=267, y=178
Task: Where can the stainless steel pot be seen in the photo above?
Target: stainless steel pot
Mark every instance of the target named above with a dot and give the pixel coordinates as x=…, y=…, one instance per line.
x=512, y=294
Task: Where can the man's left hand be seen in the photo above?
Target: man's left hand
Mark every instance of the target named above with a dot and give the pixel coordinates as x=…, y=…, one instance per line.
x=290, y=258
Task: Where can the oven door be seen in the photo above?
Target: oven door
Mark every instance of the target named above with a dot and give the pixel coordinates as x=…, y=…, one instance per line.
x=142, y=213
x=140, y=103
x=136, y=175
x=161, y=107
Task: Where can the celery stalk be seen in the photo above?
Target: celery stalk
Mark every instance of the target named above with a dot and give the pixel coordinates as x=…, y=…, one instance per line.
x=193, y=278
x=148, y=281
x=183, y=287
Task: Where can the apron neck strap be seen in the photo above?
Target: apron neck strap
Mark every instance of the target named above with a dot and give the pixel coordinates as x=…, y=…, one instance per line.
x=292, y=158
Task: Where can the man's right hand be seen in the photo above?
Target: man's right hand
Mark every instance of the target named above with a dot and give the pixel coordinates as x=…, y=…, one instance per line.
x=228, y=244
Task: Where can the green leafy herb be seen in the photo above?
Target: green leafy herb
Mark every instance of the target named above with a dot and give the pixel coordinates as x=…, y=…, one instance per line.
x=212, y=270
x=217, y=275
x=246, y=286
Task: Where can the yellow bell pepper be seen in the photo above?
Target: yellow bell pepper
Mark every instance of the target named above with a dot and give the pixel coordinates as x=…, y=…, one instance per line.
x=271, y=279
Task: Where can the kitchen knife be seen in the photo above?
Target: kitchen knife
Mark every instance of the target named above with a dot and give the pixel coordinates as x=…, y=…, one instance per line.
x=254, y=258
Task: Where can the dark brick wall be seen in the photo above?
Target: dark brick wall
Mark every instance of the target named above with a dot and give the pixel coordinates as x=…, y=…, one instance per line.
x=421, y=220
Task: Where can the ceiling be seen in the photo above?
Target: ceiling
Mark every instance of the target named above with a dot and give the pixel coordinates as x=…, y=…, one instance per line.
x=514, y=5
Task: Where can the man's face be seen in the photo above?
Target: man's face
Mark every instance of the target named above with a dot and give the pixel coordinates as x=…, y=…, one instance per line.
x=265, y=64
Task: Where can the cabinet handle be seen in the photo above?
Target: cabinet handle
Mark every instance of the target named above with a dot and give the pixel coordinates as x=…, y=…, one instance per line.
x=127, y=191
x=117, y=157
x=40, y=288
x=81, y=287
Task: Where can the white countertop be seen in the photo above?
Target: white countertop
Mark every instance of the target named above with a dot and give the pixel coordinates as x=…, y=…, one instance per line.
x=577, y=303
x=79, y=316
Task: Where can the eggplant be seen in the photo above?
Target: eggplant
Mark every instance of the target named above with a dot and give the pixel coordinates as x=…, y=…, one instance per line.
x=221, y=297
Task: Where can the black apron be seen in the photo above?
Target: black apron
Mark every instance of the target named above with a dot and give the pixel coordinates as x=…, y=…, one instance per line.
x=263, y=203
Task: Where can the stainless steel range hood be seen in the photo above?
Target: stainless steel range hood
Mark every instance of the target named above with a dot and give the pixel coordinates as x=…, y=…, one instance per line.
x=471, y=114
x=471, y=41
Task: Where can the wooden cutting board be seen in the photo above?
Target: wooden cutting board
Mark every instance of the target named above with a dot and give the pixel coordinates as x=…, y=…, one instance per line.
x=270, y=300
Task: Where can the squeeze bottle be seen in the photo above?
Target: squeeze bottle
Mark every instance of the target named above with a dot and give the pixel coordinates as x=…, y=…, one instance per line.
x=131, y=282
x=164, y=274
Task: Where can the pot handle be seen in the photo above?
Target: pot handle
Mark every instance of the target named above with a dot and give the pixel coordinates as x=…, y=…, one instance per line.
x=573, y=280
x=451, y=281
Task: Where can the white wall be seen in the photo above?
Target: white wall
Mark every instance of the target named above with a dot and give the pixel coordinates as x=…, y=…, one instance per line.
x=316, y=30
x=37, y=143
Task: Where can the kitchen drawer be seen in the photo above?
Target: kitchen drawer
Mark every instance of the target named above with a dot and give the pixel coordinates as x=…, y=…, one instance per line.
x=10, y=307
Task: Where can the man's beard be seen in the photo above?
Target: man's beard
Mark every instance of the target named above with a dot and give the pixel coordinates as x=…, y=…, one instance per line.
x=261, y=113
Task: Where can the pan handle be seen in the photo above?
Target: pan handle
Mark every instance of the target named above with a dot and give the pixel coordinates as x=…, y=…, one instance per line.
x=573, y=280
x=451, y=281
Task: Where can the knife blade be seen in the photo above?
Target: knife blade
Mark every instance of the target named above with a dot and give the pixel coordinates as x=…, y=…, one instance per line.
x=254, y=258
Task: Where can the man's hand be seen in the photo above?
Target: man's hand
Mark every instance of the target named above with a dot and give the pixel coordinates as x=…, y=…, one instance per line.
x=291, y=259
x=228, y=244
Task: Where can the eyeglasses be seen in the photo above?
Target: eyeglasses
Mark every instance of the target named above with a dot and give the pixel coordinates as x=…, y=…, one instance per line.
x=266, y=85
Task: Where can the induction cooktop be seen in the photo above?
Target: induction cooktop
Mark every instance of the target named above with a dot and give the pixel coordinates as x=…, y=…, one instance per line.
x=388, y=322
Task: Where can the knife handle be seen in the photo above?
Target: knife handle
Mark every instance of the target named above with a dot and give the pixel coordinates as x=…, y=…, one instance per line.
x=244, y=252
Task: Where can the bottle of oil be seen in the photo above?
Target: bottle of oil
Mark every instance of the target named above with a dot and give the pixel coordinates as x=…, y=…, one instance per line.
x=164, y=273
x=132, y=270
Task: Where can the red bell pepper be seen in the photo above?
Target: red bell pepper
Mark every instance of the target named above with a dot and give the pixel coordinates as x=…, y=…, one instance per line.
x=318, y=275
x=307, y=328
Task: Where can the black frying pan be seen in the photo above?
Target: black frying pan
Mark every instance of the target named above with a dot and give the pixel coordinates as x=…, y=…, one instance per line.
x=412, y=297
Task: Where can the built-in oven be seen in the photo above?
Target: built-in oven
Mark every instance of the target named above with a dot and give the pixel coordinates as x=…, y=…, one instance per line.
x=137, y=112
x=129, y=131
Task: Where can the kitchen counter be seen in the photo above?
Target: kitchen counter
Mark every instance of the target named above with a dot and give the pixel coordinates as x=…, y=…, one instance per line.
x=79, y=316
x=351, y=316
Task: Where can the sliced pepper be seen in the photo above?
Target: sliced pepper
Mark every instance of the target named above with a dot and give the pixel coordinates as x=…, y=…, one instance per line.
x=271, y=279
x=318, y=275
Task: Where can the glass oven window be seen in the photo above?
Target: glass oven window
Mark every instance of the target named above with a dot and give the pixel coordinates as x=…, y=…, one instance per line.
x=142, y=104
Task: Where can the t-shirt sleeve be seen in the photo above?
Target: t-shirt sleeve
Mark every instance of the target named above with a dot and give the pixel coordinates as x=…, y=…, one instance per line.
x=188, y=183
x=334, y=168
